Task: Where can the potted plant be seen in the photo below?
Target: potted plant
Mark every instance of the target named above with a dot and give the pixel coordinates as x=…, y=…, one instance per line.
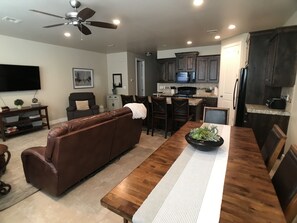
x=19, y=103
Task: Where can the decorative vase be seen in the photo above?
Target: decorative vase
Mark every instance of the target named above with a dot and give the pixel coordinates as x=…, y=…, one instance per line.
x=19, y=106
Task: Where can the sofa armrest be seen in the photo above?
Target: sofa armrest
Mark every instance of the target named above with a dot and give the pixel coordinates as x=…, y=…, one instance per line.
x=94, y=107
x=39, y=172
x=71, y=108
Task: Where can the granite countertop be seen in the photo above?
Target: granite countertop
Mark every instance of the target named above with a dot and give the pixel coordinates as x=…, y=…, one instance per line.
x=192, y=101
x=263, y=109
x=200, y=95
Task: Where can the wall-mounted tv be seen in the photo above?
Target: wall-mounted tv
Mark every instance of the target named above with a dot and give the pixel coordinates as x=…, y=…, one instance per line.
x=19, y=78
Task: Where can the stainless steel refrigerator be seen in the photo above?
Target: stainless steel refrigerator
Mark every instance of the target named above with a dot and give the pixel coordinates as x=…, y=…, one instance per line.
x=239, y=94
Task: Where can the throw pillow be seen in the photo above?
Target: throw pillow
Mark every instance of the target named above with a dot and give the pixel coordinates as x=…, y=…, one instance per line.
x=82, y=105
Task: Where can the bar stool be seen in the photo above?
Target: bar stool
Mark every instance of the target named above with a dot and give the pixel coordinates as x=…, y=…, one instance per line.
x=159, y=111
x=127, y=99
x=180, y=112
x=144, y=100
x=4, y=188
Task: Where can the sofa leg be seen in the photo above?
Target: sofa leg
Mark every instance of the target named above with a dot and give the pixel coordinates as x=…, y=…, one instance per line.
x=125, y=220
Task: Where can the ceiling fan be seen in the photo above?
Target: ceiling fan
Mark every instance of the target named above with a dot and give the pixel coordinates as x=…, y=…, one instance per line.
x=78, y=18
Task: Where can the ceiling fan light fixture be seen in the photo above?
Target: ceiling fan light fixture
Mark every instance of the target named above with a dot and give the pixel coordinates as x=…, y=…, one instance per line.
x=116, y=21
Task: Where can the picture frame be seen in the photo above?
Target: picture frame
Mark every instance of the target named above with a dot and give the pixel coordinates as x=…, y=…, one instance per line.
x=82, y=78
x=117, y=80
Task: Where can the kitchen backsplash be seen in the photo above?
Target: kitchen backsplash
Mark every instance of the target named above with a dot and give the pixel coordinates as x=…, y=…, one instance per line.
x=201, y=87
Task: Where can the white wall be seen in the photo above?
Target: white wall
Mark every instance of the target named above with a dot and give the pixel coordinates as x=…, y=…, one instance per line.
x=117, y=63
x=292, y=107
x=124, y=63
x=203, y=50
x=56, y=65
x=151, y=73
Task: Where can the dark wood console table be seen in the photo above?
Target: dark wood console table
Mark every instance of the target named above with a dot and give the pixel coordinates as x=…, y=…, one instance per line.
x=27, y=119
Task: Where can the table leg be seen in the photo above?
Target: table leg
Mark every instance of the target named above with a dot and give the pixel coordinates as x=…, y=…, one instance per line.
x=4, y=188
x=125, y=220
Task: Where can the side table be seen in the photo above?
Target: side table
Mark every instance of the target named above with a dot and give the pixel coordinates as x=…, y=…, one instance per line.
x=4, y=188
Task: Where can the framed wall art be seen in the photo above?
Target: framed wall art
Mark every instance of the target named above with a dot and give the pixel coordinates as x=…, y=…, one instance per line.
x=117, y=80
x=83, y=78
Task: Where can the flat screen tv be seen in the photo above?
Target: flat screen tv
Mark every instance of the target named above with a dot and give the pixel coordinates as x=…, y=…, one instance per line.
x=19, y=78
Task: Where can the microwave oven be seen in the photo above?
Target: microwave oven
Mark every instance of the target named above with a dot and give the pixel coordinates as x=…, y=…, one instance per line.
x=185, y=77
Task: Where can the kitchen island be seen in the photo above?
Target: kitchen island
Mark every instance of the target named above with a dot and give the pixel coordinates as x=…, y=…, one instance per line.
x=261, y=119
x=194, y=103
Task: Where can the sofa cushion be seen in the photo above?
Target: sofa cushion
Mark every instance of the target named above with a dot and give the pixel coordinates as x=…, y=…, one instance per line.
x=82, y=105
x=80, y=123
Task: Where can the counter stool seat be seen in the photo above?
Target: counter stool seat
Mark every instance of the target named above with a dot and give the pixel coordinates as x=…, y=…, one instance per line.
x=4, y=188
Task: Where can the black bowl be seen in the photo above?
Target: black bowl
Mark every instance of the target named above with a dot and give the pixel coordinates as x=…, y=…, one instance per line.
x=204, y=145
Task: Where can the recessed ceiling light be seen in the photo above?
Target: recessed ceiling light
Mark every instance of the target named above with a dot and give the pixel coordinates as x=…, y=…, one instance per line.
x=189, y=42
x=197, y=2
x=217, y=37
x=10, y=19
x=231, y=26
x=110, y=45
x=116, y=21
x=67, y=34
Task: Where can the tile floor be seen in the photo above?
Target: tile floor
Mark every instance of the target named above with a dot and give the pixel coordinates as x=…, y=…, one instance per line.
x=82, y=203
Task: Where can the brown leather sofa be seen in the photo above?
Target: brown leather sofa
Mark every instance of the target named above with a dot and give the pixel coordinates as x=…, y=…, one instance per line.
x=79, y=147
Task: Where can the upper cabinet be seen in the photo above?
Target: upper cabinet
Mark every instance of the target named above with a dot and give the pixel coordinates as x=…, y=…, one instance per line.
x=186, y=61
x=168, y=70
x=207, y=69
x=281, y=58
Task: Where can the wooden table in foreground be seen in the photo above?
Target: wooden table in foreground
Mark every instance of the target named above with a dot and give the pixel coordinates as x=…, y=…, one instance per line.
x=248, y=195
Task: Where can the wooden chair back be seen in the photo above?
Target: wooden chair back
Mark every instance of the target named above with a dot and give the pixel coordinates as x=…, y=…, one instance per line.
x=285, y=183
x=273, y=145
x=218, y=115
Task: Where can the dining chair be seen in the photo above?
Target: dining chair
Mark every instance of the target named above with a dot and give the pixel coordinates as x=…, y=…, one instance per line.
x=285, y=183
x=218, y=115
x=180, y=113
x=144, y=100
x=273, y=145
x=127, y=99
x=159, y=112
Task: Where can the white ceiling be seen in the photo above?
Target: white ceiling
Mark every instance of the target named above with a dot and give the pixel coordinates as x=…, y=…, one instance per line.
x=146, y=25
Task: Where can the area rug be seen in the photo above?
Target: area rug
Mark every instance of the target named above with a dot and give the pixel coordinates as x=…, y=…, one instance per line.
x=14, y=174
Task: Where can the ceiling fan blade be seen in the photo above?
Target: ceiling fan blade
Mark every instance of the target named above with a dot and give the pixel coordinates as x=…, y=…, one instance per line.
x=45, y=13
x=102, y=24
x=85, y=14
x=60, y=24
x=85, y=30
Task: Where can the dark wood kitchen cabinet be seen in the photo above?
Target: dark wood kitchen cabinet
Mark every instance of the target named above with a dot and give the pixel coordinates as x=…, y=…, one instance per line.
x=186, y=61
x=168, y=70
x=281, y=59
x=208, y=69
x=263, y=123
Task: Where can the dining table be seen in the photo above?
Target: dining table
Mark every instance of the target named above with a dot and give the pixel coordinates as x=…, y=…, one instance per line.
x=247, y=192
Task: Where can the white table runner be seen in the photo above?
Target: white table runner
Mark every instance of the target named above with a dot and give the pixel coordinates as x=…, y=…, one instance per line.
x=191, y=190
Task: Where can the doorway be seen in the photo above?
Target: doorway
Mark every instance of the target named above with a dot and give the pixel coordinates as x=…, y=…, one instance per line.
x=140, y=76
x=230, y=66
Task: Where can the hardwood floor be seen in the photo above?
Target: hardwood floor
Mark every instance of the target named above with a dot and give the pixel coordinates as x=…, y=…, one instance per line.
x=248, y=195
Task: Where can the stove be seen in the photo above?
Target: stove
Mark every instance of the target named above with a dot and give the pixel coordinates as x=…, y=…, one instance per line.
x=185, y=92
